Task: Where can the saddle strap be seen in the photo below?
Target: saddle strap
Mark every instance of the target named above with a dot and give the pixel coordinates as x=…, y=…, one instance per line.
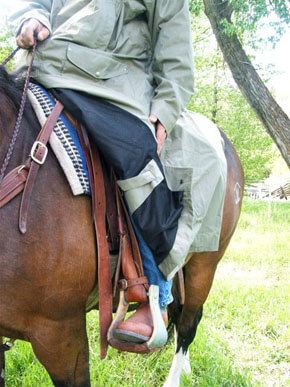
x=37, y=158
x=111, y=210
x=99, y=215
x=104, y=272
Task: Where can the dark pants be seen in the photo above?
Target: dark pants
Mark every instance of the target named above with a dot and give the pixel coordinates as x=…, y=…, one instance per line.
x=128, y=145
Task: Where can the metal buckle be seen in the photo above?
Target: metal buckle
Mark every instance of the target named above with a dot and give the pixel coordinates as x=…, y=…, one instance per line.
x=33, y=150
x=21, y=169
x=123, y=284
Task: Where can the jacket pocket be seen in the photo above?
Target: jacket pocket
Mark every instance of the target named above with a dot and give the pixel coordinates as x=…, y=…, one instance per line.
x=98, y=64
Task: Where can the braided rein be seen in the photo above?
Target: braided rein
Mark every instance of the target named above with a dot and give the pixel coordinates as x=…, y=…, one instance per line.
x=19, y=118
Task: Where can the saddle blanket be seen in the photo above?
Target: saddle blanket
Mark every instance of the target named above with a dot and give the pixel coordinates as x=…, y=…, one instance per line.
x=64, y=141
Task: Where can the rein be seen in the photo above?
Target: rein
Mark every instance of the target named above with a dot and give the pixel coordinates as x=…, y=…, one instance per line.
x=20, y=113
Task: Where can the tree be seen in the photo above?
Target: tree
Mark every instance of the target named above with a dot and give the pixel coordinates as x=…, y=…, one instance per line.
x=222, y=15
x=217, y=97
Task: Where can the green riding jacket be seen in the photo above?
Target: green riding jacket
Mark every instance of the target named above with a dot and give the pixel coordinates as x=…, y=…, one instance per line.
x=135, y=53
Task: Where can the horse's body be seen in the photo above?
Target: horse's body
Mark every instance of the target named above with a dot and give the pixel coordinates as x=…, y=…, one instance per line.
x=47, y=275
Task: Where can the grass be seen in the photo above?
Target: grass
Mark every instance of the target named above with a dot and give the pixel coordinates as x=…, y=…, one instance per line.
x=242, y=339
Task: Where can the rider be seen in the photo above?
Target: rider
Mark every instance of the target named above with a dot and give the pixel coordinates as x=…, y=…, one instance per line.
x=125, y=69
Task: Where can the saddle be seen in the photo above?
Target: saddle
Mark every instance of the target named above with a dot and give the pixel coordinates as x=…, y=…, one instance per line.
x=114, y=232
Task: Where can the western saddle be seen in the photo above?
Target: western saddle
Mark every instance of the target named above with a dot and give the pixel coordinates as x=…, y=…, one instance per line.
x=113, y=230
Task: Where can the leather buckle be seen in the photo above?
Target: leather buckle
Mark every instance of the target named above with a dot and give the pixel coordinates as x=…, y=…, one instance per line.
x=34, y=149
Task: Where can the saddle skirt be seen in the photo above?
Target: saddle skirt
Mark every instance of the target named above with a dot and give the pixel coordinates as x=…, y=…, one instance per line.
x=64, y=141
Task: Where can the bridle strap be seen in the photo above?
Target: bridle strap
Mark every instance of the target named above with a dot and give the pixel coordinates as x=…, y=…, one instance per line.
x=37, y=158
x=20, y=113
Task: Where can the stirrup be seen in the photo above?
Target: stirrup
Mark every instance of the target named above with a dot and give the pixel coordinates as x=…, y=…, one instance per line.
x=159, y=336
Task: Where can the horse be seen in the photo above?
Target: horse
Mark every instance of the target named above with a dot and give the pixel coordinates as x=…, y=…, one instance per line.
x=47, y=275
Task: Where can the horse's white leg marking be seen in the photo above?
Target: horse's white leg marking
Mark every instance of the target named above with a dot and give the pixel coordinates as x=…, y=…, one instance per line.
x=180, y=362
x=179, y=365
x=186, y=365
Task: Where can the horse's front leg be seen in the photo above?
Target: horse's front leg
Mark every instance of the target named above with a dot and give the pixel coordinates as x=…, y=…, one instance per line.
x=199, y=273
x=62, y=348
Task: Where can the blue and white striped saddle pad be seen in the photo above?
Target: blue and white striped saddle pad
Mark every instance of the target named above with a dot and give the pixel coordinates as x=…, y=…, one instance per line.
x=64, y=141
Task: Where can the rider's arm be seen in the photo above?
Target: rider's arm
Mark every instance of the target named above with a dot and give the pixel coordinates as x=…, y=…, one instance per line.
x=39, y=10
x=170, y=27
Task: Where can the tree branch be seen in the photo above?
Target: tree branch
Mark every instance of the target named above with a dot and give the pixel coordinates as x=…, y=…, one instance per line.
x=274, y=119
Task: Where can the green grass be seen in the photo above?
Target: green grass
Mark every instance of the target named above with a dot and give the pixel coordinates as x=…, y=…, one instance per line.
x=242, y=339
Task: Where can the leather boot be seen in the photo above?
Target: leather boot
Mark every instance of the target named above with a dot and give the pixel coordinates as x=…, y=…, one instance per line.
x=139, y=327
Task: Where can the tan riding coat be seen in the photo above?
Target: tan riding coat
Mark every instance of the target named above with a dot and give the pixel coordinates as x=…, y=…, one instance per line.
x=137, y=54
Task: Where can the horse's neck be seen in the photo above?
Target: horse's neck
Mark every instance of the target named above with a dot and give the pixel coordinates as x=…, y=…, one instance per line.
x=27, y=133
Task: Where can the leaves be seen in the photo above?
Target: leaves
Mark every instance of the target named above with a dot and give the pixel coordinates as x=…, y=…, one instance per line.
x=218, y=98
x=6, y=46
x=196, y=7
x=250, y=15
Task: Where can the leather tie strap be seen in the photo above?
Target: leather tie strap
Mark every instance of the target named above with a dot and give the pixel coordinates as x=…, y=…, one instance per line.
x=99, y=215
x=104, y=272
x=37, y=158
x=181, y=286
x=111, y=211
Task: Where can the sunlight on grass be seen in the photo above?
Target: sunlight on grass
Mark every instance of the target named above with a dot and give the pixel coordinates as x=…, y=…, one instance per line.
x=242, y=339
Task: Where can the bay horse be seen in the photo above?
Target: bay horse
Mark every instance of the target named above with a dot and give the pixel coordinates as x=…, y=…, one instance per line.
x=47, y=275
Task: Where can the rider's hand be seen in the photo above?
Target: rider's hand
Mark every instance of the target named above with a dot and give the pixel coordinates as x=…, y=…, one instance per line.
x=30, y=30
x=160, y=132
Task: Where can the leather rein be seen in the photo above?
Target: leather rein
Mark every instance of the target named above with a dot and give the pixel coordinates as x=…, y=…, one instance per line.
x=19, y=118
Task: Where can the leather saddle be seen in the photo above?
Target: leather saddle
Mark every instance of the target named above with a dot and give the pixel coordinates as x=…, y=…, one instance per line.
x=114, y=232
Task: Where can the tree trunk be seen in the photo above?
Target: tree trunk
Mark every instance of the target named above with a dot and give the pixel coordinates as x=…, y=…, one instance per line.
x=275, y=120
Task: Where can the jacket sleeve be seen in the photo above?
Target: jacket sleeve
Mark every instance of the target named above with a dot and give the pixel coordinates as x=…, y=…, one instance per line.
x=172, y=65
x=39, y=10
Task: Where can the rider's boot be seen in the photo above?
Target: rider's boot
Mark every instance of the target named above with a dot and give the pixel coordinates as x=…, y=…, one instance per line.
x=138, y=328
